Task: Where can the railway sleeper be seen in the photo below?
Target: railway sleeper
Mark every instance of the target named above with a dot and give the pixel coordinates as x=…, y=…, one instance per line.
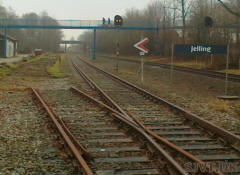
x=100, y=137
x=207, y=137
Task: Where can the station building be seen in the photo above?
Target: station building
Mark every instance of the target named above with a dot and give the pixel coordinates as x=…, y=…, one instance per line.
x=11, y=49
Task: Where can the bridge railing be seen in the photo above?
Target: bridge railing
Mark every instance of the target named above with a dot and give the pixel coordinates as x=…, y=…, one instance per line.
x=90, y=24
x=50, y=22
x=71, y=23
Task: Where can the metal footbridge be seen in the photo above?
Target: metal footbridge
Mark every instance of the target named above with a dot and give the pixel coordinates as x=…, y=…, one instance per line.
x=81, y=24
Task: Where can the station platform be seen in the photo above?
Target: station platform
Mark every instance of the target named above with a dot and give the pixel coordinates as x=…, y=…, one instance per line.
x=13, y=59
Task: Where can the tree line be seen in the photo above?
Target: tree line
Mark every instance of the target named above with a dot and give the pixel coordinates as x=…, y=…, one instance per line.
x=169, y=13
x=30, y=39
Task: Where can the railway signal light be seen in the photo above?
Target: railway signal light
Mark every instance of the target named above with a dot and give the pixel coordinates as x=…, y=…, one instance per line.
x=208, y=22
x=118, y=21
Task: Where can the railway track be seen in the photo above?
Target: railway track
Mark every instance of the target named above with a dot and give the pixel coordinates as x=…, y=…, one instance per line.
x=26, y=146
x=68, y=140
x=101, y=140
x=203, y=140
x=212, y=74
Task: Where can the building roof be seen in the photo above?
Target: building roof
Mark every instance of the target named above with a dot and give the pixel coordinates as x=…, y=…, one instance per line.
x=8, y=37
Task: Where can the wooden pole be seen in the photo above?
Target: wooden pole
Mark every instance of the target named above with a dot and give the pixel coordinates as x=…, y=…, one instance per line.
x=227, y=67
x=211, y=59
x=172, y=62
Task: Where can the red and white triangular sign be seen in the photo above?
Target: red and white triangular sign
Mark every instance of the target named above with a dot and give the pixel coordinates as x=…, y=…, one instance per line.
x=140, y=46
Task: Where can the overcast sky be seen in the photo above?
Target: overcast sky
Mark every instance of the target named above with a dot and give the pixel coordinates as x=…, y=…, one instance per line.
x=75, y=9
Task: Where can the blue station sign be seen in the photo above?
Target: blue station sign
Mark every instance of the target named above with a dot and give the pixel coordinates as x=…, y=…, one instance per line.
x=200, y=49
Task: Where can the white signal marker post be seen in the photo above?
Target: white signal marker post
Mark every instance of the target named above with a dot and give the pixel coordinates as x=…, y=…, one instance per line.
x=140, y=46
x=142, y=63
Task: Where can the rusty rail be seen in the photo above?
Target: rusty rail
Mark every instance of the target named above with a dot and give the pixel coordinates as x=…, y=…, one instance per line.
x=175, y=147
x=207, y=73
x=105, y=97
x=231, y=138
x=121, y=117
x=66, y=134
x=154, y=135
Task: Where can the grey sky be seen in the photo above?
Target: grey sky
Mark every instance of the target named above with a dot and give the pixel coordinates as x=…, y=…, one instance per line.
x=75, y=9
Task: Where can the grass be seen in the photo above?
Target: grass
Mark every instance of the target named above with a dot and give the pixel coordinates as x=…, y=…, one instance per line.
x=4, y=70
x=157, y=59
x=145, y=58
x=37, y=58
x=232, y=71
x=191, y=65
x=237, y=108
x=11, y=88
x=12, y=65
x=219, y=105
x=56, y=69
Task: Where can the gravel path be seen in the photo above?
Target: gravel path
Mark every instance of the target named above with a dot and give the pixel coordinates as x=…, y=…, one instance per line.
x=13, y=60
x=26, y=144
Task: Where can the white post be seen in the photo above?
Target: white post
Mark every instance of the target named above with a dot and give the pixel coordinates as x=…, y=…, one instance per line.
x=172, y=62
x=227, y=67
x=142, y=70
